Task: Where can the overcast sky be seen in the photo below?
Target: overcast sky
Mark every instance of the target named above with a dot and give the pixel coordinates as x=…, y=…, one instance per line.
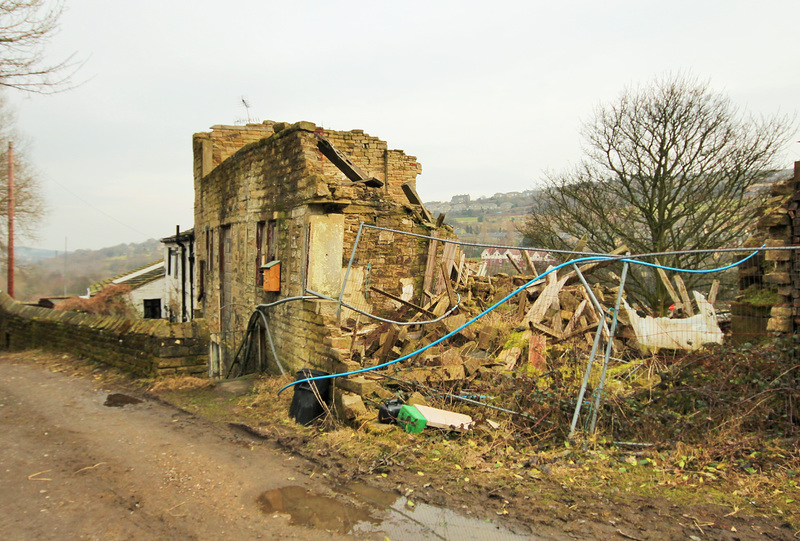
x=487, y=95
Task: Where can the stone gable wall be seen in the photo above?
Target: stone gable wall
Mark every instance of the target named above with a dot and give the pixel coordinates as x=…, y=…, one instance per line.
x=149, y=347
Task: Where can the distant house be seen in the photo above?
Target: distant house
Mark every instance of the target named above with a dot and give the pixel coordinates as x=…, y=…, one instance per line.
x=145, y=289
x=180, y=291
x=501, y=254
x=496, y=258
x=164, y=289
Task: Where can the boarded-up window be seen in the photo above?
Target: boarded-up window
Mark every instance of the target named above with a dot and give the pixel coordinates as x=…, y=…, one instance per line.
x=325, y=248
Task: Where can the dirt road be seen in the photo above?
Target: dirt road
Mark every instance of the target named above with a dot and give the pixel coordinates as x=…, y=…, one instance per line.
x=73, y=468
x=81, y=462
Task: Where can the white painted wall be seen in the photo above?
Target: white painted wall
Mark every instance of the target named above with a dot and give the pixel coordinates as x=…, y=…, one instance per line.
x=150, y=290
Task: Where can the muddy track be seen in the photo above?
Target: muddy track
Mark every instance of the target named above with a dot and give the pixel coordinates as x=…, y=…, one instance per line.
x=81, y=462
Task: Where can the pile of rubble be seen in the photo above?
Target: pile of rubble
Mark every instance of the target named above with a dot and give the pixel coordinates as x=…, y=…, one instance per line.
x=554, y=314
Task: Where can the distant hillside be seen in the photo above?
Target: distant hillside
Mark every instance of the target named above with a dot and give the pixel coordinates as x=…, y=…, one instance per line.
x=486, y=220
x=43, y=273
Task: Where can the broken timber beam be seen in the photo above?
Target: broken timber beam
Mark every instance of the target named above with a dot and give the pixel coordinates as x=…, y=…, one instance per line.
x=670, y=290
x=545, y=329
x=529, y=261
x=343, y=163
x=414, y=199
x=576, y=316
x=519, y=270
x=401, y=301
x=429, y=269
x=389, y=338
x=448, y=284
x=687, y=303
x=546, y=299
x=461, y=269
x=712, y=295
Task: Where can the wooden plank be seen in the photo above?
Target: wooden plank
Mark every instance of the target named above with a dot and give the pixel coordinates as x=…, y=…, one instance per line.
x=343, y=162
x=712, y=295
x=414, y=199
x=523, y=306
x=558, y=322
x=670, y=290
x=450, y=420
x=388, y=341
x=401, y=301
x=529, y=262
x=451, y=294
x=537, y=351
x=431, y=306
x=514, y=263
x=509, y=357
x=441, y=305
x=688, y=311
x=582, y=330
x=590, y=308
x=429, y=268
x=547, y=330
x=546, y=299
x=576, y=316
x=448, y=257
x=462, y=269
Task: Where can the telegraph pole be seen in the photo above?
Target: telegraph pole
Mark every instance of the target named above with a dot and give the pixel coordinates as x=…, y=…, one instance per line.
x=11, y=219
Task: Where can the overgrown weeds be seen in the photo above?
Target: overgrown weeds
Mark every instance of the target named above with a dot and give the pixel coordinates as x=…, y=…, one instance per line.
x=716, y=426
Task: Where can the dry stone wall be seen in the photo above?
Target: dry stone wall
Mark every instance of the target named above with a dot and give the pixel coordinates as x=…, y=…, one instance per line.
x=149, y=347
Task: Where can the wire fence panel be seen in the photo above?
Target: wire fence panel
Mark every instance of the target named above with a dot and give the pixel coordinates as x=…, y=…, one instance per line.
x=391, y=271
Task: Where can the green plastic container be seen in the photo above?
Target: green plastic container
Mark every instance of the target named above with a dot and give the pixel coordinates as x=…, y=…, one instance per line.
x=411, y=419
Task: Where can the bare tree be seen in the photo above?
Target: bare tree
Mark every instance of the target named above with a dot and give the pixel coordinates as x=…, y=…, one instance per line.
x=668, y=166
x=25, y=28
x=29, y=208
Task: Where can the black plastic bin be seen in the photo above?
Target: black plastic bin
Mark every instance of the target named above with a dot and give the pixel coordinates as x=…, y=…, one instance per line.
x=305, y=407
x=387, y=413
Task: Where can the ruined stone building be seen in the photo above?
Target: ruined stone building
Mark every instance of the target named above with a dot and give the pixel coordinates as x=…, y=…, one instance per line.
x=277, y=210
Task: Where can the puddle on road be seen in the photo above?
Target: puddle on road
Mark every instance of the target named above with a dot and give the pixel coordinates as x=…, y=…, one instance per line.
x=117, y=400
x=307, y=509
x=377, y=514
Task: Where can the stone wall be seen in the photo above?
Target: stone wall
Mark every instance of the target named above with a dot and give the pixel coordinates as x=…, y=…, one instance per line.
x=151, y=347
x=779, y=270
x=282, y=181
x=213, y=148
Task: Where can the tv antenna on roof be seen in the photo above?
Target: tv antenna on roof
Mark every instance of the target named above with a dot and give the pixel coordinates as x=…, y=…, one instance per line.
x=246, y=108
x=249, y=119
